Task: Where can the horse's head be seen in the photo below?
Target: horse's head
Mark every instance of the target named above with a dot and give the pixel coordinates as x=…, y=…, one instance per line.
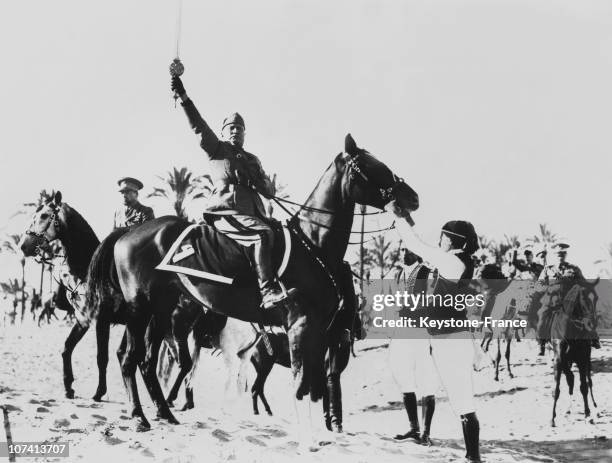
x=370, y=182
x=44, y=227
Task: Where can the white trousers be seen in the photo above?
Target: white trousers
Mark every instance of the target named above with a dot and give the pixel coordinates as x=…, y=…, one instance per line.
x=449, y=365
x=412, y=367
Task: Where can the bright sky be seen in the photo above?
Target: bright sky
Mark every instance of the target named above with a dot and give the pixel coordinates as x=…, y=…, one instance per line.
x=494, y=111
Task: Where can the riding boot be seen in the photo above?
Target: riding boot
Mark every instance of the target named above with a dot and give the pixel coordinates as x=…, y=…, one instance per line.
x=335, y=402
x=271, y=294
x=326, y=413
x=471, y=435
x=410, y=403
x=428, y=405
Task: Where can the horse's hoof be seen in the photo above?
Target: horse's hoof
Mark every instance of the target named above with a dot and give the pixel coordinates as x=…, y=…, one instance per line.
x=496, y=379
x=255, y=412
x=170, y=403
x=187, y=406
x=141, y=424
x=269, y=412
x=511, y=376
x=168, y=416
x=70, y=394
x=552, y=424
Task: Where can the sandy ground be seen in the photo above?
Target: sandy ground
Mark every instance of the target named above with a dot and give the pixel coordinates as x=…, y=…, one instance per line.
x=514, y=413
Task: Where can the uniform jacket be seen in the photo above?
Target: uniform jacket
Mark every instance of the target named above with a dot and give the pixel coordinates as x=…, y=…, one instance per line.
x=234, y=172
x=557, y=271
x=127, y=216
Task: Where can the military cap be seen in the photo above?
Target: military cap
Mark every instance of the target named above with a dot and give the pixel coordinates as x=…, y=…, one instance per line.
x=560, y=246
x=233, y=118
x=129, y=183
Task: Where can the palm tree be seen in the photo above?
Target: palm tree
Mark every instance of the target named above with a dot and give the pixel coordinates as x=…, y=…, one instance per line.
x=11, y=244
x=379, y=255
x=179, y=186
x=12, y=288
x=44, y=196
x=545, y=237
x=485, y=242
x=500, y=249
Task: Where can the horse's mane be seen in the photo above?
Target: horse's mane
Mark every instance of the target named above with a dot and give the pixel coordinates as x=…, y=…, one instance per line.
x=79, y=242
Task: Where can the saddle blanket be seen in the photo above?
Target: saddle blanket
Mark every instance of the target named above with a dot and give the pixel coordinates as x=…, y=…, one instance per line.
x=203, y=251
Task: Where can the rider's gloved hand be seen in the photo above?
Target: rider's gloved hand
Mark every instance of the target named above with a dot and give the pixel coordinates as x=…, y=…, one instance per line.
x=177, y=86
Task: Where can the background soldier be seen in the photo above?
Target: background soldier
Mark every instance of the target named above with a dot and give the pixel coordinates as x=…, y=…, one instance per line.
x=528, y=269
x=132, y=212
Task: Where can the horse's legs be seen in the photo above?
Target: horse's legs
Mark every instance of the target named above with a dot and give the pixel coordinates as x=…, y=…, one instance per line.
x=508, y=342
x=263, y=364
x=297, y=334
x=557, y=390
x=486, y=341
x=569, y=378
x=152, y=343
x=185, y=365
x=76, y=334
x=584, y=386
x=195, y=361
x=102, y=333
x=590, y=380
x=497, y=359
x=131, y=352
x=326, y=413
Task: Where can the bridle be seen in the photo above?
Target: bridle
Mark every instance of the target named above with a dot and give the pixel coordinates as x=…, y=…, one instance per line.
x=388, y=193
x=42, y=237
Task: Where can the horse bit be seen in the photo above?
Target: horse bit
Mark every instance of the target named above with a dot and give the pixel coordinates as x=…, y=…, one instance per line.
x=42, y=237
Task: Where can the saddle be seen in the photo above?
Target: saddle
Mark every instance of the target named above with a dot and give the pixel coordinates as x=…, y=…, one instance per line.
x=202, y=251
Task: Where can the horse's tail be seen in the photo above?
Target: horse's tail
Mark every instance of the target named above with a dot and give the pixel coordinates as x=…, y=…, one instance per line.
x=102, y=279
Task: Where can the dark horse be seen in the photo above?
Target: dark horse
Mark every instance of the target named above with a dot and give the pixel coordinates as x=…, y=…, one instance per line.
x=319, y=237
x=572, y=341
x=56, y=220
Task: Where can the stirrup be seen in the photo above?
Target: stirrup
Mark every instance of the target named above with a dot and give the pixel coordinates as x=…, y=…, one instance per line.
x=274, y=300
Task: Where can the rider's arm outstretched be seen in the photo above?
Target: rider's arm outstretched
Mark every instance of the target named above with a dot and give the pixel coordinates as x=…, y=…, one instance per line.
x=210, y=141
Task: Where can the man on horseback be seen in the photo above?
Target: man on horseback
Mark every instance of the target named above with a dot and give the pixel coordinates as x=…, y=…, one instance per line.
x=132, y=212
x=238, y=177
x=561, y=277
